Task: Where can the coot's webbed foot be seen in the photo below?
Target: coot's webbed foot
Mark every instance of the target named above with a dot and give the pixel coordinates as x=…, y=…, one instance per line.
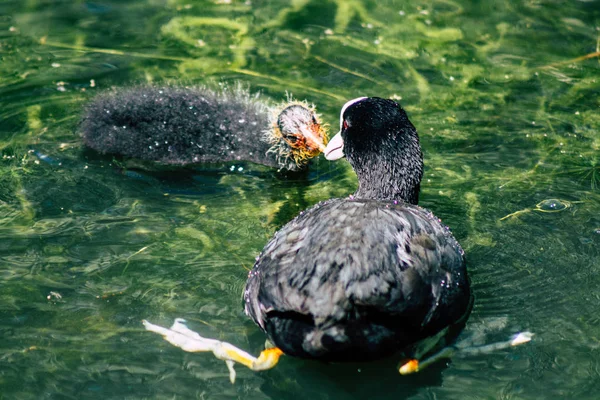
x=462, y=348
x=181, y=336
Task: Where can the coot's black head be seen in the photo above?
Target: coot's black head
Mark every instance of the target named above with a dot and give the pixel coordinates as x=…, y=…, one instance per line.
x=382, y=146
x=297, y=135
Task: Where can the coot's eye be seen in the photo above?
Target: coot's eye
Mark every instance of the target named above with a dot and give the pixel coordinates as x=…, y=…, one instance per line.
x=314, y=120
x=345, y=124
x=291, y=138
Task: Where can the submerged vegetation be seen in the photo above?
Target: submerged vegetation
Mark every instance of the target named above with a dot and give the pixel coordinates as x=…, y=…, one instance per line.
x=504, y=95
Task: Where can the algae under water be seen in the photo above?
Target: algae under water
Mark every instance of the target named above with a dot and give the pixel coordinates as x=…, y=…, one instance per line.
x=504, y=95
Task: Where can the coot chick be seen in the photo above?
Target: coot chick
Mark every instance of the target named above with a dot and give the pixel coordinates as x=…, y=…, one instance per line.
x=363, y=277
x=188, y=125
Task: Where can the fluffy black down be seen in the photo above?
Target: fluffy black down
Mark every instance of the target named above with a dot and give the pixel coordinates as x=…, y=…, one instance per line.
x=179, y=126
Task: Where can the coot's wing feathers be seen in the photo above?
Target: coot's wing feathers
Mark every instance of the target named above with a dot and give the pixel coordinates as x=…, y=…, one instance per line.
x=343, y=258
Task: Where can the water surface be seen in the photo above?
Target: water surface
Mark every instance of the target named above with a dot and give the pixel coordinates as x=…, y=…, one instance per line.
x=503, y=93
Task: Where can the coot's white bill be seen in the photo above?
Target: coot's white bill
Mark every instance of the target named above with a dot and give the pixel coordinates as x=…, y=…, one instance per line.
x=335, y=148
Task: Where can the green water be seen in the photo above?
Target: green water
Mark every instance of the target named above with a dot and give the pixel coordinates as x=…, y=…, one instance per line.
x=507, y=106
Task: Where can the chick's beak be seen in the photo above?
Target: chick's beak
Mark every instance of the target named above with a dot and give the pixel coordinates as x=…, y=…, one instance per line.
x=315, y=138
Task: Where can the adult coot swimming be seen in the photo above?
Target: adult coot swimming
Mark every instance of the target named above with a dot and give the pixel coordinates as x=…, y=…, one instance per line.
x=189, y=125
x=358, y=278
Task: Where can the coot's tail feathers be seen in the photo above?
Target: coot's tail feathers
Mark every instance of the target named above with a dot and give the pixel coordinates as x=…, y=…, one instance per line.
x=179, y=125
x=338, y=343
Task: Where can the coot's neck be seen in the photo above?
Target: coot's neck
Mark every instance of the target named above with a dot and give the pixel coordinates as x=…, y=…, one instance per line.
x=392, y=174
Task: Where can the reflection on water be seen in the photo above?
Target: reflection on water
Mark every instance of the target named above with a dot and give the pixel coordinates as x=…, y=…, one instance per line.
x=504, y=95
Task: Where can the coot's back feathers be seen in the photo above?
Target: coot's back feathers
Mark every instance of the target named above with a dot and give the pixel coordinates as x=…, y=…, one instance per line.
x=356, y=293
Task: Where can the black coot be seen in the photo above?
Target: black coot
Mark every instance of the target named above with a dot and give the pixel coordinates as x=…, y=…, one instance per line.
x=190, y=125
x=358, y=278
x=367, y=276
